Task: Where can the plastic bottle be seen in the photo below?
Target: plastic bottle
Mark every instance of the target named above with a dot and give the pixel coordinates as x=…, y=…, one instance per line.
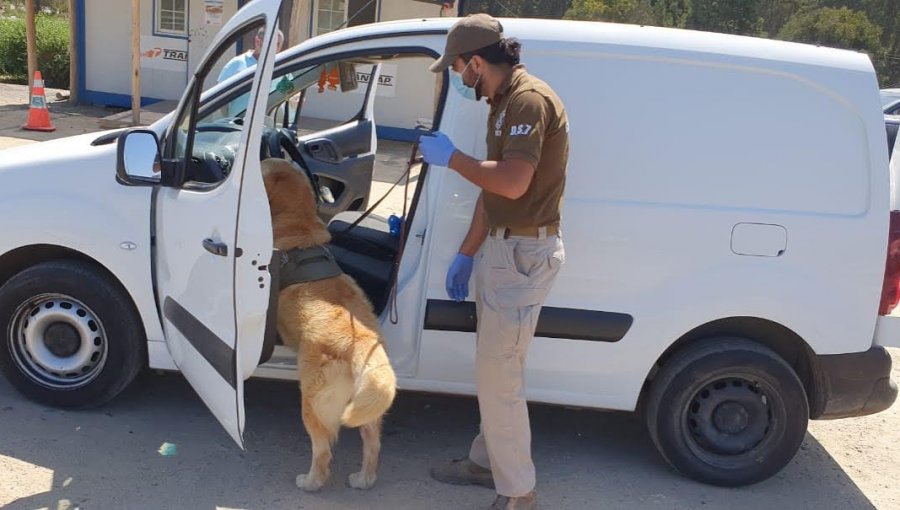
x=394, y=224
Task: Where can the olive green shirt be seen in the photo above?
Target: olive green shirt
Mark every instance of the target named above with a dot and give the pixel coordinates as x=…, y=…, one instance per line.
x=528, y=122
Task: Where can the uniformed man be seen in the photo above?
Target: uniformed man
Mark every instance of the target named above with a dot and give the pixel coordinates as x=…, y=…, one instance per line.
x=515, y=232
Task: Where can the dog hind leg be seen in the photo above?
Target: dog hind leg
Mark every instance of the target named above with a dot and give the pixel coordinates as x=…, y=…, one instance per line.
x=323, y=435
x=371, y=442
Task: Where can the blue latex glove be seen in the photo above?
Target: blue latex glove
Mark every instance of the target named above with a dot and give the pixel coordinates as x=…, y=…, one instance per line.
x=458, y=277
x=436, y=149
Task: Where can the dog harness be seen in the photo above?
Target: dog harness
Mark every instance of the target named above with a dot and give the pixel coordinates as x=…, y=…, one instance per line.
x=301, y=265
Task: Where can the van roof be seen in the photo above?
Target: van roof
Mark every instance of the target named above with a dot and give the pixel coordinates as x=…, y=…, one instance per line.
x=665, y=40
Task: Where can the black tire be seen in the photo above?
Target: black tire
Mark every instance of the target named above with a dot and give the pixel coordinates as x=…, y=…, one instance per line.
x=727, y=411
x=54, y=308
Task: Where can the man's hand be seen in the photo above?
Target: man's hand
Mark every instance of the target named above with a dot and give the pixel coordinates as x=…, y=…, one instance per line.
x=458, y=277
x=436, y=149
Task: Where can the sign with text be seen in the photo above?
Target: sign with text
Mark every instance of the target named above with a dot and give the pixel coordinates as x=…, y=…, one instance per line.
x=387, y=81
x=164, y=53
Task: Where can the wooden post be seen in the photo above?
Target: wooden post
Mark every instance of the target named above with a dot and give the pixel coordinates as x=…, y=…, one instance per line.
x=136, y=62
x=31, y=45
x=298, y=12
x=73, y=54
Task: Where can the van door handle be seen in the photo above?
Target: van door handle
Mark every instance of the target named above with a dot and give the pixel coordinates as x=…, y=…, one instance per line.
x=215, y=247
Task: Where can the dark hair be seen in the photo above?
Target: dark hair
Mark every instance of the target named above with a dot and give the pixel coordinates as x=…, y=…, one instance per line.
x=505, y=51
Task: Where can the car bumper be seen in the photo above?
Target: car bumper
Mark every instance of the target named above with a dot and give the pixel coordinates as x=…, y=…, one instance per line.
x=855, y=384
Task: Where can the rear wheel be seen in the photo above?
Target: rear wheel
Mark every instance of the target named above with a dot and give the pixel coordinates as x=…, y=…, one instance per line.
x=727, y=411
x=71, y=336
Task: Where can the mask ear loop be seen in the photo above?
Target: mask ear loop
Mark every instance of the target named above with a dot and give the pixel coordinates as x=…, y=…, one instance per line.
x=477, y=79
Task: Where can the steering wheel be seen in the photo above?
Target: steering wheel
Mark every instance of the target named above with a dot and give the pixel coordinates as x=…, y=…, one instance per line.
x=210, y=168
x=285, y=139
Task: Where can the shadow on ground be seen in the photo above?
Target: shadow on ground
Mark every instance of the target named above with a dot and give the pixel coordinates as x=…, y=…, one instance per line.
x=108, y=458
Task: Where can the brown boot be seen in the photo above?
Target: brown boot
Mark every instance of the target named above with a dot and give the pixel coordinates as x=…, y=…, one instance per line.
x=463, y=472
x=526, y=502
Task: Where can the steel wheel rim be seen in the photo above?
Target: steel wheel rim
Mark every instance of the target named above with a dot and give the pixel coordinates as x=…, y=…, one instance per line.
x=730, y=419
x=57, y=341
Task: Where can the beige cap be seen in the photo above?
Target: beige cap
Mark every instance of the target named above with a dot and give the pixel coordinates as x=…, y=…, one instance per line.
x=471, y=33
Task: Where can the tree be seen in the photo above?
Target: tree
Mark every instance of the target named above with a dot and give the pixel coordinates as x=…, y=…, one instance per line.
x=672, y=13
x=619, y=11
x=727, y=16
x=840, y=28
x=518, y=8
x=775, y=13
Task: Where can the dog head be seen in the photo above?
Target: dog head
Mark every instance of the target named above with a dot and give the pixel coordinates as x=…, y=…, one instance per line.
x=292, y=202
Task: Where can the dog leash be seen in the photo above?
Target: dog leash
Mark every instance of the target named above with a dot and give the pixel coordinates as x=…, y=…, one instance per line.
x=394, y=314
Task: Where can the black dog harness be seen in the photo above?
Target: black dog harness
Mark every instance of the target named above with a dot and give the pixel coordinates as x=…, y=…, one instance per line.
x=301, y=265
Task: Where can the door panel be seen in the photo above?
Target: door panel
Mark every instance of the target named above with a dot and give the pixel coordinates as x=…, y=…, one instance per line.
x=214, y=240
x=342, y=158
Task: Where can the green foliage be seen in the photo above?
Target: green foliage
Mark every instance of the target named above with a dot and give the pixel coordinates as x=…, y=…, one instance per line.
x=519, y=8
x=673, y=13
x=868, y=25
x=727, y=16
x=52, y=34
x=620, y=11
x=840, y=28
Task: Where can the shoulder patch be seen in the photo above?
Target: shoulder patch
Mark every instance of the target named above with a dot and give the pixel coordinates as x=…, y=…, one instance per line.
x=520, y=130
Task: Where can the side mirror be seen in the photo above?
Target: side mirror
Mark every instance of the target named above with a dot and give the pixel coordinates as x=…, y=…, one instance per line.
x=138, y=161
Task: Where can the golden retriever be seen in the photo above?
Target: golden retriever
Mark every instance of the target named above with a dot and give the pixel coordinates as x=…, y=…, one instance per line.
x=345, y=375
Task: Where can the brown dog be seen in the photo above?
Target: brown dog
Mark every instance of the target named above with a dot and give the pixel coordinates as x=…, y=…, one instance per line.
x=345, y=375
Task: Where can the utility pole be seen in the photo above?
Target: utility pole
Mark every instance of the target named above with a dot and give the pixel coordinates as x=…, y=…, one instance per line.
x=136, y=62
x=31, y=46
x=73, y=54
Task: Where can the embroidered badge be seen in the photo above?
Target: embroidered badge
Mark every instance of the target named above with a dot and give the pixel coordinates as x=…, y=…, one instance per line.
x=521, y=129
x=498, y=126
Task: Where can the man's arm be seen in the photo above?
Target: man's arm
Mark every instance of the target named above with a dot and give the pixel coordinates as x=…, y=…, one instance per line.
x=509, y=178
x=478, y=230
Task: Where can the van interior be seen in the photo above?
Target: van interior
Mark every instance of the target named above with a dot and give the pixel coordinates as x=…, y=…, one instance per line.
x=323, y=117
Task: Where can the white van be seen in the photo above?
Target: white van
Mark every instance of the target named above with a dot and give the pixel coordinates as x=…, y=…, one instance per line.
x=727, y=219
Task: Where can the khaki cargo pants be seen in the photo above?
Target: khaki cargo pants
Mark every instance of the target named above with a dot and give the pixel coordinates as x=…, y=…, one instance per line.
x=513, y=277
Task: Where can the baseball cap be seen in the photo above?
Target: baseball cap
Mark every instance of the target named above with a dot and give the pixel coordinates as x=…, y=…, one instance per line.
x=471, y=33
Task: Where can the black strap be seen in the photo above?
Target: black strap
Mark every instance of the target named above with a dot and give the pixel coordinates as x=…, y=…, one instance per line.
x=395, y=273
x=301, y=265
x=380, y=200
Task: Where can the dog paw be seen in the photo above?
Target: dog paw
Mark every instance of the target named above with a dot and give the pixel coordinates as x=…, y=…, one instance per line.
x=308, y=483
x=360, y=481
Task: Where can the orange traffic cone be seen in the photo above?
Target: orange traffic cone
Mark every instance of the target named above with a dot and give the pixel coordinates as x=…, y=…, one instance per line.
x=38, y=114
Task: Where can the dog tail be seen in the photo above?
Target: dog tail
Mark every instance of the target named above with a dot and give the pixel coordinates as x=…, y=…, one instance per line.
x=374, y=395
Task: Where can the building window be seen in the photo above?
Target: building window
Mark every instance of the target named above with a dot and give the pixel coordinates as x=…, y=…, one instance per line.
x=171, y=17
x=330, y=15
x=333, y=14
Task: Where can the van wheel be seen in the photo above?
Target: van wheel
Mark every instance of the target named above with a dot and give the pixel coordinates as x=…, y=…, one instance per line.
x=71, y=336
x=727, y=411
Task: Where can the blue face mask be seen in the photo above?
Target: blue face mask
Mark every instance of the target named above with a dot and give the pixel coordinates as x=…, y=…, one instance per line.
x=463, y=89
x=460, y=86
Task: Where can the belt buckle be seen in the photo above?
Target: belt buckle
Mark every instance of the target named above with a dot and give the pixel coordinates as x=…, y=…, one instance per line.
x=506, y=232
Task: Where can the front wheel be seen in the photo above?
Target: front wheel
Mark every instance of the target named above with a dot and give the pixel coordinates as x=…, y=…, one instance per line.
x=71, y=336
x=727, y=411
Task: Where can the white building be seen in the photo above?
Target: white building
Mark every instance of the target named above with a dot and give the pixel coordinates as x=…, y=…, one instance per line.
x=175, y=34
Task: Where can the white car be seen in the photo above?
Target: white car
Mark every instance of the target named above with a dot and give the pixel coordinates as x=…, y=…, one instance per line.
x=890, y=101
x=731, y=275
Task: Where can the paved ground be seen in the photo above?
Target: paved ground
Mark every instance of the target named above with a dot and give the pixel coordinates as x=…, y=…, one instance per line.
x=68, y=119
x=109, y=458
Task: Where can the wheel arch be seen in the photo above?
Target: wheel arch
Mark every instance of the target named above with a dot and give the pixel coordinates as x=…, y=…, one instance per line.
x=786, y=343
x=19, y=259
